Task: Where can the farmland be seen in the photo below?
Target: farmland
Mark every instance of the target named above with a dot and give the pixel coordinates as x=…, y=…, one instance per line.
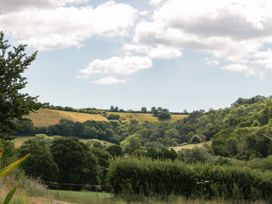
x=46, y=117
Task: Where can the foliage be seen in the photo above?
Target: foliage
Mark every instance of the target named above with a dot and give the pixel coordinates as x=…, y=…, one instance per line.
x=7, y=170
x=13, y=103
x=104, y=158
x=161, y=113
x=41, y=163
x=113, y=116
x=115, y=150
x=196, y=155
x=6, y=152
x=161, y=153
x=147, y=177
x=75, y=161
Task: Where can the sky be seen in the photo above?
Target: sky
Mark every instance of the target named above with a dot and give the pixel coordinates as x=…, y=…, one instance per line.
x=177, y=54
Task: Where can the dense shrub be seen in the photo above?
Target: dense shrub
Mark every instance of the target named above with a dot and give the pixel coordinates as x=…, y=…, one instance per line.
x=113, y=116
x=196, y=155
x=134, y=177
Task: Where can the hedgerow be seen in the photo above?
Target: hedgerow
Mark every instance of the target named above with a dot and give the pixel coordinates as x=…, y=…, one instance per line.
x=147, y=177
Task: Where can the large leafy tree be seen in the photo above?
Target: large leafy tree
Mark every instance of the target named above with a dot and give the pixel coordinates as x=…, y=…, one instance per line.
x=76, y=163
x=13, y=103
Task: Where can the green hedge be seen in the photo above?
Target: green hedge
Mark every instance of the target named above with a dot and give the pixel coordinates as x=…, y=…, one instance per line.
x=146, y=177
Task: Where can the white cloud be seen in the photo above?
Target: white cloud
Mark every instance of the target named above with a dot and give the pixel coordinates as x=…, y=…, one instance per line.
x=163, y=52
x=212, y=62
x=157, y=52
x=17, y=5
x=243, y=69
x=155, y=2
x=109, y=80
x=230, y=30
x=116, y=65
x=63, y=27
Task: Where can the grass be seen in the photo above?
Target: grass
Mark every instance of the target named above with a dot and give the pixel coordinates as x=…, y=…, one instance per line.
x=46, y=117
x=18, y=141
x=146, y=116
x=190, y=146
x=84, y=197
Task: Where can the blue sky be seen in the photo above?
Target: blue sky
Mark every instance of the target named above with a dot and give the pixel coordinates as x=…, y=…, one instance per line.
x=168, y=53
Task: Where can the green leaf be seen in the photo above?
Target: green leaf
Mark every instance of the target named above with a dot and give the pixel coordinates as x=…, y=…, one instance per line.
x=12, y=166
x=10, y=195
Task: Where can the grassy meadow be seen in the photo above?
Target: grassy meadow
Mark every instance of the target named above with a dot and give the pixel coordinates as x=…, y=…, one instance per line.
x=146, y=116
x=18, y=141
x=87, y=197
x=191, y=146
x=45, y=117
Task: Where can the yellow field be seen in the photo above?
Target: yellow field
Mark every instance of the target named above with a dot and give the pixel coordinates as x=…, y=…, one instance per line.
x=145, y=116
x=46, y=117
x=190, y=146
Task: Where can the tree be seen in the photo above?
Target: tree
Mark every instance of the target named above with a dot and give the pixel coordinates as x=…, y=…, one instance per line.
x=13, y=103
x=115, y=150
x=164, y=114
x=131, y=143
x=154, y=111
x=75, y=161
x=144, y=109
x=103, y=157
x=40, y=163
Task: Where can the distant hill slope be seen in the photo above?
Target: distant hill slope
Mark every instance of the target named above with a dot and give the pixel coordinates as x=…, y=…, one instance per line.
x=145, y=116
x=46, y=117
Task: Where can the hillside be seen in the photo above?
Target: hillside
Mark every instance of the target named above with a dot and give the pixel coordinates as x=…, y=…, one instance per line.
x=46, y=117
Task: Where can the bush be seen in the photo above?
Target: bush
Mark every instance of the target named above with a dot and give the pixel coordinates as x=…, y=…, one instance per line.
x=113, y=117
x=196, y=155
x=136, y=177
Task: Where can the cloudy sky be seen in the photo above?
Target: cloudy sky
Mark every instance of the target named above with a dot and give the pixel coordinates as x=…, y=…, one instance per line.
x=177, y=54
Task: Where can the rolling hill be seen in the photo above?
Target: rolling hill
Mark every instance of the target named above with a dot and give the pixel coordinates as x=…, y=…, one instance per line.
x=46, y=117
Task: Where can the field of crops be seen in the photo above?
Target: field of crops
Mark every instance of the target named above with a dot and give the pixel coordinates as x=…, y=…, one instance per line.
x=46, y=117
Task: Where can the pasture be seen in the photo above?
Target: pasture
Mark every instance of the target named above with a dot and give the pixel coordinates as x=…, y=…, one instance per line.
x=191, y=146
x=47, y=117
x=18, y=141
x=87, y=197
x=145, y=116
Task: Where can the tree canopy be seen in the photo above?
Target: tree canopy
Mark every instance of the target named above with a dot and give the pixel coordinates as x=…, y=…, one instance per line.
x=13, y=103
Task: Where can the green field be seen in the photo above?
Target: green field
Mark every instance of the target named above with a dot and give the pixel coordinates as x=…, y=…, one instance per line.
x=190, y=146
x=86, y=197
x=18, y=141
